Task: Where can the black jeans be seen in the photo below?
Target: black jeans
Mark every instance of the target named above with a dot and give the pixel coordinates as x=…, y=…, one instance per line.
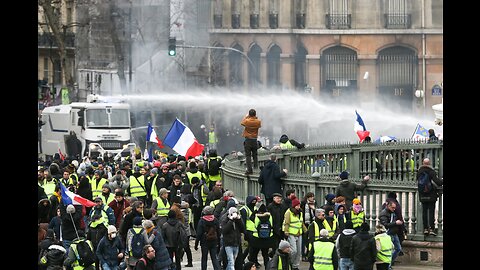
x=213, y=256
x=250, y=146
x=428, y=215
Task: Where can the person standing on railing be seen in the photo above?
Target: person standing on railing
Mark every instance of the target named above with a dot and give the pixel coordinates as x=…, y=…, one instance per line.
x=251, y=123
x=429, y=199
x=347, y=189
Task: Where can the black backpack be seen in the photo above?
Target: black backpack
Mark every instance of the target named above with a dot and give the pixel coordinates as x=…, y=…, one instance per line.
x=138, y=242
x=424, y=183
x=264, y=229
x=85, y=255
x=214, y=166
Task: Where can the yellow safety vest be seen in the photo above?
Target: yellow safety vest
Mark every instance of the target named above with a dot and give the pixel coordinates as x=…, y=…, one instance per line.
x=214, y=203
x=280, y=264
x=104, y=218
x=257, y=222
x=49, y=188
x=190, y=175
x=110, y=198
x=287, y=145
x=295, y=223
x=136, y=189
x=385, y=252
x=316, y=230
x=322, y=257
x=357, y=219
x=75, y=264
x=331, y=231
x=154, y=190
x=212, y=138
x=97, y=189
x=249, y=225
x=162, y=209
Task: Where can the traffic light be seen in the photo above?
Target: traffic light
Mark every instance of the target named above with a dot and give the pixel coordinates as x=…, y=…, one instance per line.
x=172, y=46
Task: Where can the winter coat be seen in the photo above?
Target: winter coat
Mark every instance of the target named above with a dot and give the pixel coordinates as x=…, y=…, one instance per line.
x=385, y=219
x=171, y=232
x=334, y=256
x=277, y=212
x=149, y=266
x=55, y=224
x=347, y=189
x=68, y=228
x=231, y=231
x=432, y=196
x=363, y=250
x=162, y=257
x=54, y=258
x=311, y=229
x=128, y=222
x=343, y=243
x=118, y=208
x=251, y=124
x=108, y=250
x=208, y=220
x=270, y=179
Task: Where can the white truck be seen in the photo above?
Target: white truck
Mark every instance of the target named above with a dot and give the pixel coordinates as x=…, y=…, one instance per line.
x=100, y=126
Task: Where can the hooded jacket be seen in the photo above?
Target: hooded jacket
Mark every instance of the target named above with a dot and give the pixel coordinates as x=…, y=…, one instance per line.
x=363, y=250
x=270, y=179
x=432, y=196
x=202, y=228
x=343, y=243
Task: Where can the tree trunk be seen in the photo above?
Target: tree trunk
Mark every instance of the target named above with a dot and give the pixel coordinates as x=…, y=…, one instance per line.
x=53, y=21
x=117, y=46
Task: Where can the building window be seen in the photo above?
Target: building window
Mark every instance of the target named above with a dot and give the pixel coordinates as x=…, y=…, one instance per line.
x=217, y=14
x=57, y=72
x=397, y=14
x=217, y=60
x=254, y=13
x=300, y=68
x=69, y=15
x=339, y=15
x=254, y=72
x=236, y=66
x=300, y=13
x=273, y=8
x=235, y=14
x=339, y=70
x=45, y=69
x=273, y=66
x=397, y=75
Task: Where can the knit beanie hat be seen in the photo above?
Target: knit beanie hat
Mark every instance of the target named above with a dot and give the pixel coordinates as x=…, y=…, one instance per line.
x=208, y=210
x=137, y=221
x=356, y=201
x=329, y=197
x=344, y=175
x=295, y=202
x=283, y=244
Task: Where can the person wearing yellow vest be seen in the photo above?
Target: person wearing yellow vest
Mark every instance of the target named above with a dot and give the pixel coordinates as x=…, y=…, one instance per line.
x=314, y=228
x=322, y=254
x=281, y=259
x=286, y=143
x=106, y=195
x=293, y=227
x=357, y=214
x=137, y=185
x=102, y=210
x=72, y=259
x=262, y=239
x=162, y=206
x=330, y=223
x=213, y=168
x=193, y=172
x=97, y=183
x=384, y=245
x=247, y=213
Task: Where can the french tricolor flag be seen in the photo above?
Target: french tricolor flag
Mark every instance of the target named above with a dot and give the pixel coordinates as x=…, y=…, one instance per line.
x=360, y=128
x=152, y=136
x=69, y=197
x=181, y=139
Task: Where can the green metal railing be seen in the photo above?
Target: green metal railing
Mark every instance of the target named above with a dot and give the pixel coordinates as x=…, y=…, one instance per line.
x=391, y=166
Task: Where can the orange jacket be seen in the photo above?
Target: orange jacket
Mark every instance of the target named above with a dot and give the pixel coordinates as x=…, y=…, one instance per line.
x=251, y=124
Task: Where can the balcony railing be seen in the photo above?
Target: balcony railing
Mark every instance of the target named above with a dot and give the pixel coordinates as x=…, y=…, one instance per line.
x=339, y=21
x=398, y=21
x=47, y=40
x=315, y=169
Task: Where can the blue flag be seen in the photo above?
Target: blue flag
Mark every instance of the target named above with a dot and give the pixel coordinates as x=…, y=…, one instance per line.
x=420, y=133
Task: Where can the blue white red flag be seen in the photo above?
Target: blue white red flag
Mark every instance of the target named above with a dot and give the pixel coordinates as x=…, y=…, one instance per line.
x=420, y=133
x=152, y=136
x=181, y=139
x=359, y=128
x=69, y=197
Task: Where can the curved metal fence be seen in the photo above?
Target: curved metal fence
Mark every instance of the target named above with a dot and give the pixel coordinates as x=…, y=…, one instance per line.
x=391, y=166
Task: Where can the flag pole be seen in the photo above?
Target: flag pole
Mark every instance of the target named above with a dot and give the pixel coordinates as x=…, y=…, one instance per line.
x=415, y=131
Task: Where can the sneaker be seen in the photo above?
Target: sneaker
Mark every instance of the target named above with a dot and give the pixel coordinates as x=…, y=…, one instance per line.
x=189, y=265
x=432, y=233
x=426, y=231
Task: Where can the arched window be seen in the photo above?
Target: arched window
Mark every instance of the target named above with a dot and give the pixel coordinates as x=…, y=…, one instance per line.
x=300, y=68
x=235, y=60
x=273, y=66
x=339, y=70
x=217, y=64
x=397, y=75
x=254, y=72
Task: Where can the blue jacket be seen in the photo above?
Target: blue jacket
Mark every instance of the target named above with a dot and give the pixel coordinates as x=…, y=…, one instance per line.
x=162, y=257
